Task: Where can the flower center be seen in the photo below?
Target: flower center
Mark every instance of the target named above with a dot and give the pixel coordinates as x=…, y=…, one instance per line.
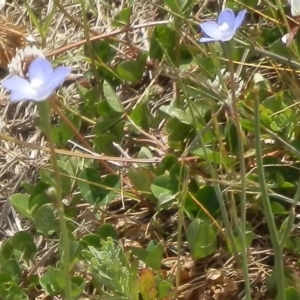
x=36, y=83
x=224, y=27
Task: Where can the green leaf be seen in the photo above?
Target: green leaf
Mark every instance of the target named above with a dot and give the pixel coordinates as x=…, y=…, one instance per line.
x=78, y=285
x=12, y=267
x=141, y=116
x=89, y=100
x=106, y=122
x=162, y=41
x=142, y=178
x=180, y=6
x=174, y=5
x=123, y=17
x=11, y=291
x=291, y=293
x=62, y=132
x=166, y=164
x=48, y=176
x=21, y=203
x=177, y=113
x=163, y=187
x=7, y=250
x=187, y=5
x=45, y=220
x=23, y=242
x=39, y=200
x=107, y=230
x=92, y=240
x=103, y=143
x=111, y=98
x=155, y=255
x=111, y=186
x=132, y=71
x=103, y=49
x=52, y=281
x=5, y=277
x=237, y=238
x=177, y=130
x=152, y=256
x=201, y=238
x=165, y=289
x=206, y=196
x=89, y=191
x=215, y=157
x=90, y=187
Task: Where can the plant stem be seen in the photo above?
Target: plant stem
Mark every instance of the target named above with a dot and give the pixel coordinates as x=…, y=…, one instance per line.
x=44, y=113
x=290, y=219
x=279, y=268
x=229, y=48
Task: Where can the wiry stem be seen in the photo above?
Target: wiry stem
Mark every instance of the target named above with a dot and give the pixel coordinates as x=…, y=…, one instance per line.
x=44, y=112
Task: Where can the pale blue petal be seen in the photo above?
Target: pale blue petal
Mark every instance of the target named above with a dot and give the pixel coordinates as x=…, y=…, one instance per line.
x=20, y=89
x=211, y=29
x=227, y=36
x=57, y=78
x=40, y=69
x=227, y=16
x=15, y=83
x=207, y=40
x=239, y=19
x=44, y=93
x=15, y=96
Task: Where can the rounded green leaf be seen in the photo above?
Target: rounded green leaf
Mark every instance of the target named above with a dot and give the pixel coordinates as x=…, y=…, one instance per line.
x=201, y=238
x=107, y=230
x=12, y=267
x=24, y=242
x=45, y=220
x=21, y=203
x=291, y=293
x=113, y=101
x=98, y=191
x=49, y=177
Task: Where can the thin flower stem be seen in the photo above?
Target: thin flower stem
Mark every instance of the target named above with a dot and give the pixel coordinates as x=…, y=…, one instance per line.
x=44, y=113
x=291, y=218
x=177, y=24
x=278, y=251
x=181, y=204
x=229, y=48
x=229, y=234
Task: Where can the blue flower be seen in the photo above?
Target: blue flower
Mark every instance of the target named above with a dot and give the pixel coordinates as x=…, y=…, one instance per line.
x=224, y=28
x=41, y=84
